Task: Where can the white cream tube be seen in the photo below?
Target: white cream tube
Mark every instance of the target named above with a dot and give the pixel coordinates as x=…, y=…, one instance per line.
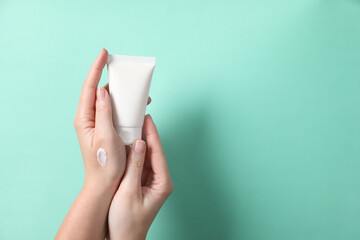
x=129, y=84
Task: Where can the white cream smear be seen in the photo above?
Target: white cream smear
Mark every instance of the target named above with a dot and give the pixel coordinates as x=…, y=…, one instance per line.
x=101, y=157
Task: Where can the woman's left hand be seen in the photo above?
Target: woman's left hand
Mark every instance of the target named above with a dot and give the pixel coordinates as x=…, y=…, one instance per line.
x=87, y=216
x=95, y=130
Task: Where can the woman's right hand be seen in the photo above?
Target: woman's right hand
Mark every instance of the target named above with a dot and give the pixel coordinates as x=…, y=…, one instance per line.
x=144, y=188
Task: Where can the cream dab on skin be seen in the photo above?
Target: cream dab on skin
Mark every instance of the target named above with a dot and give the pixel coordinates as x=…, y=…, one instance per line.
x=101, y=157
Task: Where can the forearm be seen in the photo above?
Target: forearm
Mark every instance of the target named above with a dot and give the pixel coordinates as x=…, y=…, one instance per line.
x=87, y=216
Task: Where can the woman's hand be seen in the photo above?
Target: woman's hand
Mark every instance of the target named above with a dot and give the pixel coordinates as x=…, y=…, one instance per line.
x=144, y=188
x=87, y=216
x=95, y=129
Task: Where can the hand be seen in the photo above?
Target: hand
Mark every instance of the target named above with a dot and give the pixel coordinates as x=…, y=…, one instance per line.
x=87, y=216
x=143, y=190
x=94, y=128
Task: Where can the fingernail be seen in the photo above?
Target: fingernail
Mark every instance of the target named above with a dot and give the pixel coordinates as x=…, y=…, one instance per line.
x=102, y=50
x=149, y=118
x=100, y=94
x=139, y=146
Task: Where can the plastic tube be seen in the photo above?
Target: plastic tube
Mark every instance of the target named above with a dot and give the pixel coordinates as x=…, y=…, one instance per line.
x=129, y=85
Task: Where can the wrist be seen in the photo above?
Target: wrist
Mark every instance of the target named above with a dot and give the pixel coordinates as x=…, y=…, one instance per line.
x=105, y=192
x=127, y=236
x=89, y=209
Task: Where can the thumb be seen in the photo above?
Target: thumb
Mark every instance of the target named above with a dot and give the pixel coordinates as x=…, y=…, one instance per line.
x=134, y=167
x=103, y=116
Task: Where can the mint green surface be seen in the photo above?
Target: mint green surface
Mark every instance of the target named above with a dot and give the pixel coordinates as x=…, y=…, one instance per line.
x=257, y=104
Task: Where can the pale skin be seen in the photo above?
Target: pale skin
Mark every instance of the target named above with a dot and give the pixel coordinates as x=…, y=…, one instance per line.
x=122, y=198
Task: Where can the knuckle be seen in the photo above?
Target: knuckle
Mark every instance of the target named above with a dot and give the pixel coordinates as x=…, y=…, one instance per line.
x=101, y=106
x=97, y=68
x=168, y=189
x=76, y=123
x=100, y=138
x=137, y=162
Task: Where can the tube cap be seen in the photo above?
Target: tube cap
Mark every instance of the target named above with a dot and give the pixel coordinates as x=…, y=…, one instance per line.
x=128, y=134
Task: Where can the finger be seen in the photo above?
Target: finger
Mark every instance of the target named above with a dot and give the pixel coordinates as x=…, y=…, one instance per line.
x=87, y=97
x=156, y=153
x=147, y=170
x=103, y=116
x=134, y=167
x=149, y=100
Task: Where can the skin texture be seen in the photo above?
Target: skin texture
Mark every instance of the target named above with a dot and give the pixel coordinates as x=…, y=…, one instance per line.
x=136, y=193
x=145, y=187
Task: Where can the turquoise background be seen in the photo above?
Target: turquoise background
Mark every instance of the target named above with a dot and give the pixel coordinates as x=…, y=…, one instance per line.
x=257, y=104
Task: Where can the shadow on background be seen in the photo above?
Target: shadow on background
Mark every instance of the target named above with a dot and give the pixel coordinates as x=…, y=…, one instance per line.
x=200, y=203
